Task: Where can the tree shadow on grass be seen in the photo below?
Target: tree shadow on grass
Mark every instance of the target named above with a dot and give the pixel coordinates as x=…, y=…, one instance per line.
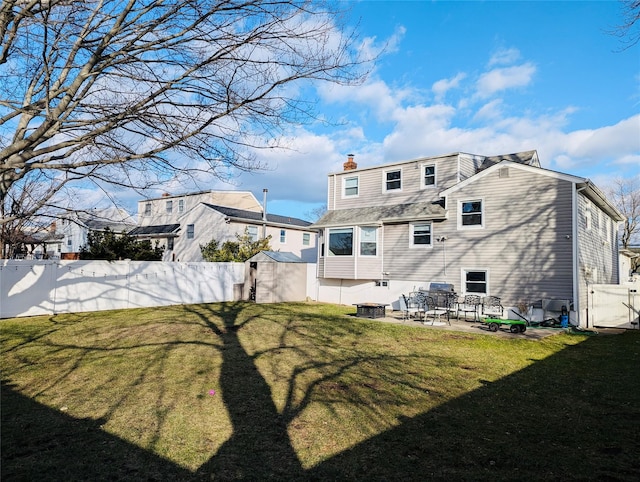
x=39, y=443
x=259, y=448
x=558, y=419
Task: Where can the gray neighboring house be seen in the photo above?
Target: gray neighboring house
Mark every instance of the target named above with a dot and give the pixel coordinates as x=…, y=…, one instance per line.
x=497, y=225
x=183, y=223
x=70, y=233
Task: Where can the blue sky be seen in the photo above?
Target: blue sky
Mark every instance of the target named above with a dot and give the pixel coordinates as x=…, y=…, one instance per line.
x=486, y=78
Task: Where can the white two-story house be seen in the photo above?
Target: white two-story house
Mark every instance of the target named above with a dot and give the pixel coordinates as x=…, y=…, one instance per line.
x=183, y=223
x=498, y=225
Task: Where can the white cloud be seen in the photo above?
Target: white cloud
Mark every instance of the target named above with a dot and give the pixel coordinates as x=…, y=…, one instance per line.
x=441, y=87
x=504, y=57
x=491, y=110
x=505, y=78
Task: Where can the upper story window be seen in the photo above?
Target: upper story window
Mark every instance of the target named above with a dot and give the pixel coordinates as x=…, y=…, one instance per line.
x=428, y=176
x=421, y=235
x=252, y=232
x=587, y=215
x=341, y=242
x=169, y=207
x=191, y=231
x=393, y=180
x=283, y=236
x=306, y=239
x=180, y=205
x=147, y=209
x=368, y=241
x=350, y=186
x=471, y=214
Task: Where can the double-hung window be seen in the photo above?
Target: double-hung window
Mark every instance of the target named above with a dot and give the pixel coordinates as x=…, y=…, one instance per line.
x=180, y=206
x=368, y=241
x=306, y=239
x=421, y=235
x=147, y=209
x=350, y=186
x=476, y=281
x=393, y=180
x=191, y=231
x=283, y=236
x=471, y=214
x=341, y=242
x=169, y=207
x=252, y=232
x=428, y=176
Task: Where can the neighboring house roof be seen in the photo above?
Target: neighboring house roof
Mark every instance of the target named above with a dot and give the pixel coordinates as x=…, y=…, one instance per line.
x=382, y=214
x=155, y=230
x=529, y=158
x=116, y=219
x=278, y=256
x=244, y=215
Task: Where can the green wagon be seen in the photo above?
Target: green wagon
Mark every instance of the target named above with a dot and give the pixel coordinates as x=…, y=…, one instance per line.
x=515, y=326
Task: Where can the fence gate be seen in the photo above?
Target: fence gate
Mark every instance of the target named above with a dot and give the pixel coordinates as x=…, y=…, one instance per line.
x=614, y=306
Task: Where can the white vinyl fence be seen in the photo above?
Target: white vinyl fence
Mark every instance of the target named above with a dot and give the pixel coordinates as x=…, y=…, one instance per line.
x=614, y=306
x=31, y=287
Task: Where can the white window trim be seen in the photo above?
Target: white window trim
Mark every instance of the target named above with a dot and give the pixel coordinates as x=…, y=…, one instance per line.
x=411, y=236
x=463, y=281
x=588, y=215
x=354, y=246
x=282, y=234
x=384, y=180
x=435, y=176
x=344, y=187
x=360, y=242
x=483, y=213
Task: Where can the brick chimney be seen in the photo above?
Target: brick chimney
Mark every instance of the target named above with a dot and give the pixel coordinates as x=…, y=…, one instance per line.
x=350, y=165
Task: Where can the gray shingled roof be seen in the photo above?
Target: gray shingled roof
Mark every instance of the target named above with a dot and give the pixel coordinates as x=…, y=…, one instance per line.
x=157, y=229
x=384, y=214
x=257, y=216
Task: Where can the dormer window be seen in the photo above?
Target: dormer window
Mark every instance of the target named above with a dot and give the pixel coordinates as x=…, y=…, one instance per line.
x=428, y=176
x=350, y=186
x=393, y=180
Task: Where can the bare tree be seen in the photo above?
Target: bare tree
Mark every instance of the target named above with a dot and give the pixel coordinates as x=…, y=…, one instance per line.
x=134, y=92
x=625, y=194
x=628, y=30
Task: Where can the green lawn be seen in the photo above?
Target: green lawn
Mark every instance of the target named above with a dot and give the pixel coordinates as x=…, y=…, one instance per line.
x=302, y=391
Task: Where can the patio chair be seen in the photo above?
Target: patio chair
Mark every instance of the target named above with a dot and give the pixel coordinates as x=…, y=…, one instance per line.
x=432, y=308
x=491, y=306
x=408, y=306
x=470, y=304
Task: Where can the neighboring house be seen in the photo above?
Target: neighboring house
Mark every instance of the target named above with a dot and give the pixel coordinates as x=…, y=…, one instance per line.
x=184, y=223
x=498, y=225
x=69, y=234
x=629, y=262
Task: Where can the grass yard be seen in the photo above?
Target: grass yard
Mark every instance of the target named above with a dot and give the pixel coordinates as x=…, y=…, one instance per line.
x=302, y=392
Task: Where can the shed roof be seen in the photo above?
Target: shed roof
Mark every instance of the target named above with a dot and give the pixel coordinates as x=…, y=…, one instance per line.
x=278, y=257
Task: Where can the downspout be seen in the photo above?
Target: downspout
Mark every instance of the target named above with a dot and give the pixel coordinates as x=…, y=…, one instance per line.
x=264, y=213
x=576, y=267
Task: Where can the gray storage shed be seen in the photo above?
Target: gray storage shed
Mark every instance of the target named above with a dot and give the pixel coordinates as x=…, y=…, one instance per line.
x=274, y=277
